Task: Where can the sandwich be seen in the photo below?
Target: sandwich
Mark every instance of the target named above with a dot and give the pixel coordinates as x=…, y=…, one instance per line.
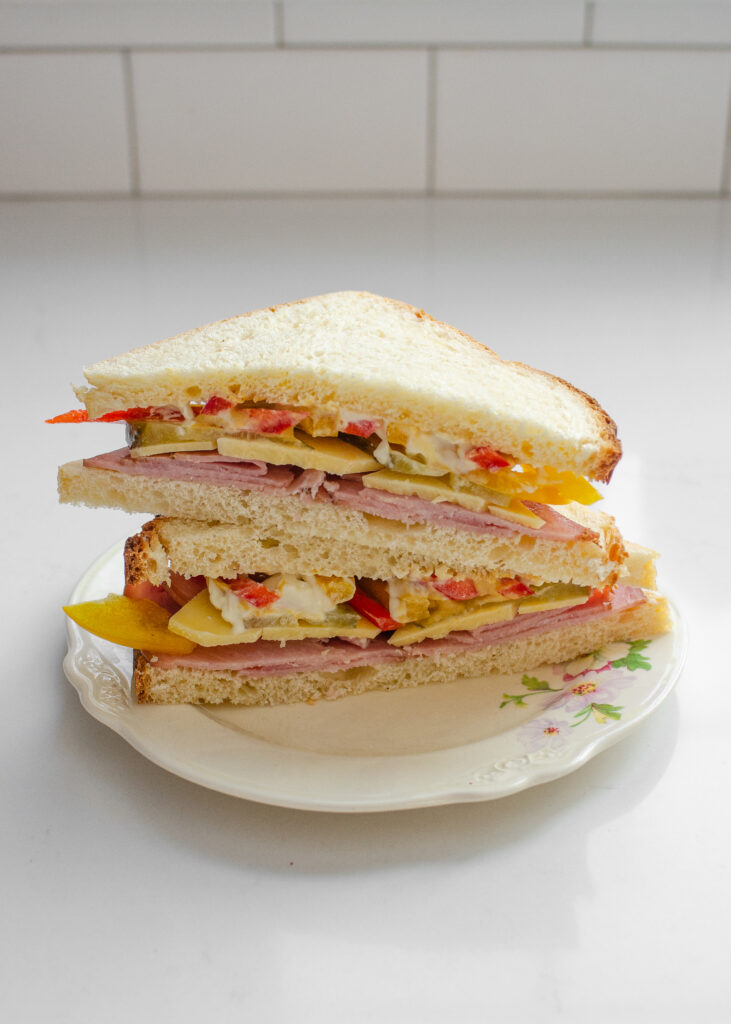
x=354, y=420
x=277, y=634
x=350, y=495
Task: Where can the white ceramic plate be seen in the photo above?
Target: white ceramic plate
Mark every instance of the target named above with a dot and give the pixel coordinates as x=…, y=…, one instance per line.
x=474, y=739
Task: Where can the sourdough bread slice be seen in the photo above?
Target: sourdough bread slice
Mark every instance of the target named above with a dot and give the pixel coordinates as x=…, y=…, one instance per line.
x=374, y=356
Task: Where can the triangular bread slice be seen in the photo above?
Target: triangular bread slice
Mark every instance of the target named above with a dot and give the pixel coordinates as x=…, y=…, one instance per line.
x=315, y=671
x=375, y=356
x=272, y=531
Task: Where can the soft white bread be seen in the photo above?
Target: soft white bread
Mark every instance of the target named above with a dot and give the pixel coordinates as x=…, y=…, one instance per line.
x=279, y=533
x=374, y=356
x=177, y=685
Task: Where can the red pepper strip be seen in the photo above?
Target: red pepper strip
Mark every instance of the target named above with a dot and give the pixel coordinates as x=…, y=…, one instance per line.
x=456, y=590
x=73, y=416
x=362, y=428
x=271, y=421
x=514, y=588
x=149, y=412
x=487, y=458
x=253, y=592
x=372, y=610
x=214, y=405
x=599, y=596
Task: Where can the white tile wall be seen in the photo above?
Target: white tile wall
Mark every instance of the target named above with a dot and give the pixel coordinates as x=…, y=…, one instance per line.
x=125, y=23
x=433, y=21
x=312, y=121
x=649, y=22
x=578, y=121
x=352, y=96
x=63, y=124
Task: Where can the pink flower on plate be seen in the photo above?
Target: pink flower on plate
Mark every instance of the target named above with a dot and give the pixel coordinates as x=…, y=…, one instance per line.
x=543, y=732
x=591, y=688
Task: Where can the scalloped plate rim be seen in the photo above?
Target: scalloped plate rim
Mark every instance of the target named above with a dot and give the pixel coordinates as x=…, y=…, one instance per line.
x=523, y=770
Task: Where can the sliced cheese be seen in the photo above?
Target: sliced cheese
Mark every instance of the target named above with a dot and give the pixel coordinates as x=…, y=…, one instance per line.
x=441, y=489
x=201, y=622
x=329, y=454
x=440, y=624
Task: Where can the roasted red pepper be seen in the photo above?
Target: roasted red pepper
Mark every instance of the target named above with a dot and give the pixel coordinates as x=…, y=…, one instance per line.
x=362, y=428
x=72, y=416
x=252, y=592
x=372, y=610
x=487, y=458
x=599, y=596
x=456, y=590
x=215, y=405
x=148, y=412
x=509, y=587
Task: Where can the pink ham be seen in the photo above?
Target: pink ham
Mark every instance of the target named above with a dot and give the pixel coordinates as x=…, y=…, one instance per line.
x=349, y=491
x=268, y=658
x=198, y=467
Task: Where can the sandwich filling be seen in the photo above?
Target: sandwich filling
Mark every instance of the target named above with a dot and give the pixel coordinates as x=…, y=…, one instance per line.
x=345, y=457
x=274, y=620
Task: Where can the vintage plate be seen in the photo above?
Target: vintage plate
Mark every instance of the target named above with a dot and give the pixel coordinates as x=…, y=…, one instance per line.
x=475, y=739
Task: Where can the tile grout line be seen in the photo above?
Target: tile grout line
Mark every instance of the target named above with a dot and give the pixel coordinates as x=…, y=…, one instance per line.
x=725, y=180
x=431, y=121
x=418, y=195
x=488, y=47
x=278, y=19
x=133, y=148
x=588, y=26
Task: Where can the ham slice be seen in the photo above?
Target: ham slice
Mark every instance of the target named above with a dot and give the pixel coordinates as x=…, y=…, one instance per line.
x=198, y=467
x=349, y=491
x=269, y=658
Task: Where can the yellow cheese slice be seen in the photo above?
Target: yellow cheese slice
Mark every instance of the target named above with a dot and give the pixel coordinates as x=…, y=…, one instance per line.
x=440, y=624
x=440, y=489
x=555, y=595
x=200, y=621
x=329, y=454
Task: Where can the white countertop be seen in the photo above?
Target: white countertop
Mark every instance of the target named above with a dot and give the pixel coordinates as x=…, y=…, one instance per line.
x=131, y=894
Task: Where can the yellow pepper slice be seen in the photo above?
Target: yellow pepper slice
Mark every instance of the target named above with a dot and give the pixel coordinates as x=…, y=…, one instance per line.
x=548, y=486
x=129, y=622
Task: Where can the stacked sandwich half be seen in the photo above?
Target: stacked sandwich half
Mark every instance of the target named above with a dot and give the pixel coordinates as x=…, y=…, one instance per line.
x=350, y=495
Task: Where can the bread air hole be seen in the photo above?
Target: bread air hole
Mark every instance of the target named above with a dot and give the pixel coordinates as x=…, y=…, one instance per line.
x=193, y=391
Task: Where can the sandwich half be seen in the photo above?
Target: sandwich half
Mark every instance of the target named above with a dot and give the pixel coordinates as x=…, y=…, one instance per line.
x=277, y=632
x=353, y=420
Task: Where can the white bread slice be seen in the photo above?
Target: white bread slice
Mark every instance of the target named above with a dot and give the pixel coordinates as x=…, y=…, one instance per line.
x=375, y=356
x=181, y=686
x=276, y=533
